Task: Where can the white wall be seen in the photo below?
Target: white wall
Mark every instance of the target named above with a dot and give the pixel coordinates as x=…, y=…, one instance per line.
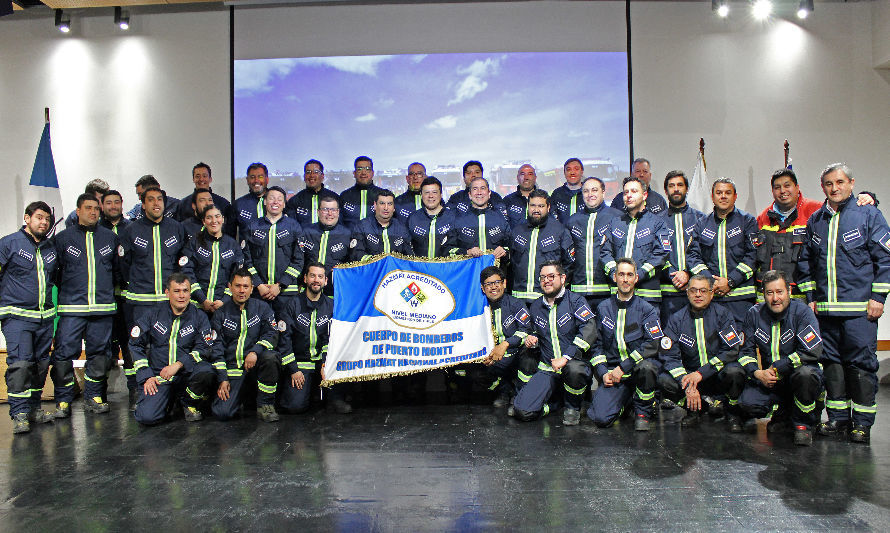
x=880, y=12
x=154, y=100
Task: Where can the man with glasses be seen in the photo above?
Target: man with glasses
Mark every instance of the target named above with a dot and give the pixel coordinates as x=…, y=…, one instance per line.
x=357, y=202
x=326, y=241
x=700, y=349
x=304, y=205
x=410, y=200
x=563, y=328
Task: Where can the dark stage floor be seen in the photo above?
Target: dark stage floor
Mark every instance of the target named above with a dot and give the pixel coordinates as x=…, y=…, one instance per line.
x=432, y=468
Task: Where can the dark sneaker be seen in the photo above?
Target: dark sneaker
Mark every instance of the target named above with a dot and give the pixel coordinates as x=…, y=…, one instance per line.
x=716, y=408
x=96, y=405
x=20, y=423
x=192, y=414
x=267, y=413
x=131, y=399
x=668, y=405
x=691, y=420
x=501, y=401
x=641, y=423
x=833, y=428
x=734, y=423
x=803, y=436
x=63, y=410
x=860, y=434
x=39, y=416
x=341, y=407
x=511, y=411
x=571, y=417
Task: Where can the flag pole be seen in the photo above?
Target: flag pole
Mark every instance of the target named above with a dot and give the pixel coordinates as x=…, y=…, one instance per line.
x=701, y=150
x=787, y=152
x=46, y=114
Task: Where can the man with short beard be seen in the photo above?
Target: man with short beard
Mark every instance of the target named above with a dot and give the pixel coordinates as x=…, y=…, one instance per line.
x=564, y=328
x=113, y=219
x=625, y=354
x=700, y=351
x=684, y=260
x=517, y=201
x=536, y=241
x=410, y=200
x=305, y=204
x=27, y=267
x=587, y=228
x=200, y=199
x=640, y=235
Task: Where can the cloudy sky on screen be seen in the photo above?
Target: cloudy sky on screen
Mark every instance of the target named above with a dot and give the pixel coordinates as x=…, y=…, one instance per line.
x=439, y=109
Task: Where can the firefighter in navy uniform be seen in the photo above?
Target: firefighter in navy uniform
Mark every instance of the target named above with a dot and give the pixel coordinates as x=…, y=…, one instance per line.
x=567, y=198
x=252, y=205
x=305, y=204
x=433, y=226
x=588, y=228
x=209, y=260
x=357, y=202
x=625, y=354
x=243, y=353
x=27, y=267
x=326, y=241
x=194, y=223
x=87, y=272
x=536, y=241
x=700, y=351
x=641, y=236
x=564, y=328
x=171, y=344
x=410, y=201
x=845, y=274
x=685, y=258
x=655, y=203
x=726, y=240
x=305, y=327
x=272, y=252
x=150, y=248
x=517, y=201
x=462, y=201
x=510, y=364
x=481, y=227
x=189, y=207
x=381, y=233
x=786, y=333
x=113, y=219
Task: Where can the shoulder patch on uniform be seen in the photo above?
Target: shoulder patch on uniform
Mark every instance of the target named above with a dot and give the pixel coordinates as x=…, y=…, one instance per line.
x=183, y=261
x=120, y=250
x=885, y=240
x=352, y=243
x=654, y=329
x=817, y=239
x=666, y=343
x=135, y=332
x=730, y=336
x=282, y=326
x=809, y=337
x=522, y=316
x=584, y=313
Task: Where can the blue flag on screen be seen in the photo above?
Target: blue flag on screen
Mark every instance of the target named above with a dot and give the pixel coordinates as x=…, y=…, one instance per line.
x=397, y=316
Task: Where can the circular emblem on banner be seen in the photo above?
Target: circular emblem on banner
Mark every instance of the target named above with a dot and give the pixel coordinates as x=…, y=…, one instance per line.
x=413, y=299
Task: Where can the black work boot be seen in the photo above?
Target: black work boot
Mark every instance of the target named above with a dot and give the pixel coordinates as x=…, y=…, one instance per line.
x=860, y=434
x=803, y=436
x=833, y=428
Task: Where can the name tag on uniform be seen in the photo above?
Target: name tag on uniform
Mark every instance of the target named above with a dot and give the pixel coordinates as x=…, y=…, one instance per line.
x=786, y=336
x=252, y=321
x=564, y=319
x=686, y=340
x=73, y=251
x=160, y=328
x=373, y=239
x=337, y=247
x=494, y=230
x=303, y=319
x=140, y=242
x=733, y=232
x=762, y=336
x=283, y=233
x=520, y=240
x=419, y=231
x=852, y=235
x=105, y=250
x=204, y=252
x=227, y=254
x=643, y=233
x=618, y=233
x=348, y=206
x=708, y=233
x=608, y=323
x=246, y=215
x=171, y=242
x=548, y=241
x=186, y=330
x=26, y=255
x=230, y=324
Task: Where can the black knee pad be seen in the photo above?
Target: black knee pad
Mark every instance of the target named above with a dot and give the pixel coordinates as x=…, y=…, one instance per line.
x=201, y=382
x=18, y=376
x=575, y=374
x=528, y=362
x=62, y=372
x=646, y=375
x=267, y=367
x=669, y=385
x=861, y=385
x=97, y=366
x=834, y=376
x=734, y=378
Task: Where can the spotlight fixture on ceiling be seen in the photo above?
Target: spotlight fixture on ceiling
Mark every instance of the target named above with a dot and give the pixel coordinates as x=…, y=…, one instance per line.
x=761, y=9
x=63, y=21
x=721, y=7
x=122, y=18
x=806, y=7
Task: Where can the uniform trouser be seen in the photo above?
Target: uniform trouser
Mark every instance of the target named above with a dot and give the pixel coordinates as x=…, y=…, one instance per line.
x=672, y=304
x=738, y=308
x=850, y=365
x=726, y=384
x=120, y=342
x=151, y=410
x=95, y=333
x=503, y=376
x=27, y=361
x=540, y=395
x=263, y=375
x=295, y=401
x=132, y=313
x=639, y=386
x=798, y=393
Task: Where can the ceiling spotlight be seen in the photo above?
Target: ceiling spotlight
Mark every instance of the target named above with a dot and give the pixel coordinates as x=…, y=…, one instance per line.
x=806, y=7
x=721, y=7
x=122, y=18
x=761, y=9
x=63, y=21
